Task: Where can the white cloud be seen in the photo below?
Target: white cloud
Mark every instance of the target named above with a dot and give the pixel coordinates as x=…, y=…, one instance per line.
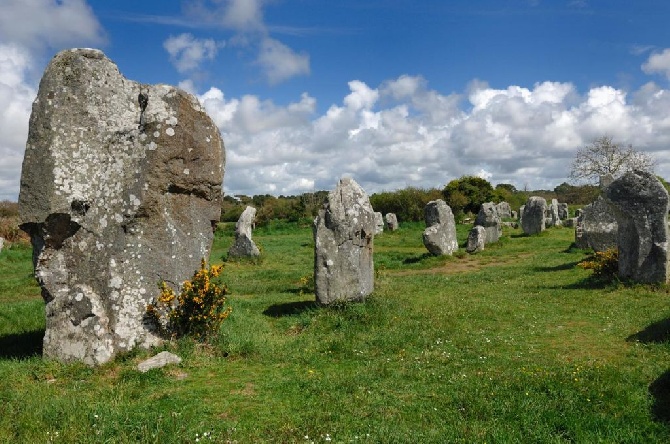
x=16, y=98
x=658, y=63
x=187, y=52
x=244, y=14
x=386, y=139
x=39, y=24
x=279, y=62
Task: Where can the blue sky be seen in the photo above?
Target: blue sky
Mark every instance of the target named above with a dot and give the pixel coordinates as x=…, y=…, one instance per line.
x=393, y=93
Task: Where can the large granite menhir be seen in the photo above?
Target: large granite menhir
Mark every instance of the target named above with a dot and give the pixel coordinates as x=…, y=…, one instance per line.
x=120, y=188
x=343, y=245
x=640, y=204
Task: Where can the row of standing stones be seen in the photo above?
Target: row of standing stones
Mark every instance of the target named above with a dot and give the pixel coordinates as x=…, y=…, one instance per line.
x=121, y=189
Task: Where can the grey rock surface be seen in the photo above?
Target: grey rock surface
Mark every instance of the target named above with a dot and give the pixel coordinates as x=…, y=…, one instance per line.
x=120, y=189
x=504, y=210
x=379, y=223
x=476, y=239
x=597, y=226
x=640, y=204
x=391, y=221
x=489, y=218
x=343, y=245
x=552, y=215
x=533, y=215
x=439, y=237
x=563, y=211
x=244, y=246
x=159, y=361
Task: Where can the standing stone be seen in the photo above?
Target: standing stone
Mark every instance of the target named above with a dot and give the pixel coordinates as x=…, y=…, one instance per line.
x=243, y=245
x=640, y=204
x=578, y=212
x=343, y=238
x=570, y=222
x=521, y=208
x=504, y=210
x=476, y=239
x=563, y=211
x=489, y=218
x=379, y=223
x=551, y=215
x=2, y=243
x=597, y=226
x=391, y=221
x=532, y=220
x=120, y=189
x=439, y=237
x=514, y=215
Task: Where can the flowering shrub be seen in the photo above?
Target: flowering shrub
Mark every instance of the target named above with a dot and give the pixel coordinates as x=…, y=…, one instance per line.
x=605, y=264
x=198, y=310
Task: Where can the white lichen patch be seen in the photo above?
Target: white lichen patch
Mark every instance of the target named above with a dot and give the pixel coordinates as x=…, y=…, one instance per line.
x=169, y=131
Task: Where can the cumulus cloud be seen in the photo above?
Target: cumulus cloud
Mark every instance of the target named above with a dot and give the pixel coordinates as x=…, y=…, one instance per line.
x=16, y=97
x=187, y=52
x=38, y=24
x=279, y=62
x=386, y=138
x=658, y=63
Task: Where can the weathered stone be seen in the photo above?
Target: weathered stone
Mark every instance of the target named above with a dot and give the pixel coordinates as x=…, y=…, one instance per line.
x=551, y=215
x=391, y=221
x=640, y=204
x=570, y=222
x=159, y=361
x=439, y=237
x=489, y=218
x=120, y=188
x=2, y=243
x=504, y=210
x=521, y=208
x=532, y=220
x=243, y=245
x=514, y=215
x=563, y=211
x=578, y=212
x=597, y=226
x=476, y=239
x=437, y=212
x=510, y=224
x=343, y=238
x=379, y=223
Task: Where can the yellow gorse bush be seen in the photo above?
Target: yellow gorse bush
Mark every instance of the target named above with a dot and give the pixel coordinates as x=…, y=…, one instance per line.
x=605, y=264
x=198, y=310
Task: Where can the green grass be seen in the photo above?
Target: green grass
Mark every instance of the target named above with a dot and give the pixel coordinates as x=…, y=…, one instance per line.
x=513, y=344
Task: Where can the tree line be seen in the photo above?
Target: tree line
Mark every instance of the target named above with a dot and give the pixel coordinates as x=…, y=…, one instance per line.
x=464, y=195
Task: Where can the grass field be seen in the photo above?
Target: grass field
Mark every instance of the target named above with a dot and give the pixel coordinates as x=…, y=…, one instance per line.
x=514, y=344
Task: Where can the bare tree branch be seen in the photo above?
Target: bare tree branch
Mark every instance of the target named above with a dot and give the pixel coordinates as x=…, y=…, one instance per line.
x=604, y=156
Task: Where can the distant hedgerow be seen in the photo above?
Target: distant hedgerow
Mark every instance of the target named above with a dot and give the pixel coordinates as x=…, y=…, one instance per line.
x=197, y=311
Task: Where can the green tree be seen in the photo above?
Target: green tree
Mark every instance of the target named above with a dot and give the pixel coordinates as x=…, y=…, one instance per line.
x=467, y=194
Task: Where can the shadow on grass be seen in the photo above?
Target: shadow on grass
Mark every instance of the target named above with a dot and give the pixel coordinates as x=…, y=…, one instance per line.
x=21, y=345
x=660, y=392
x=418, y=258
x=655, y=333
x=561, y=267
x=589, y=283
x=290, y=308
